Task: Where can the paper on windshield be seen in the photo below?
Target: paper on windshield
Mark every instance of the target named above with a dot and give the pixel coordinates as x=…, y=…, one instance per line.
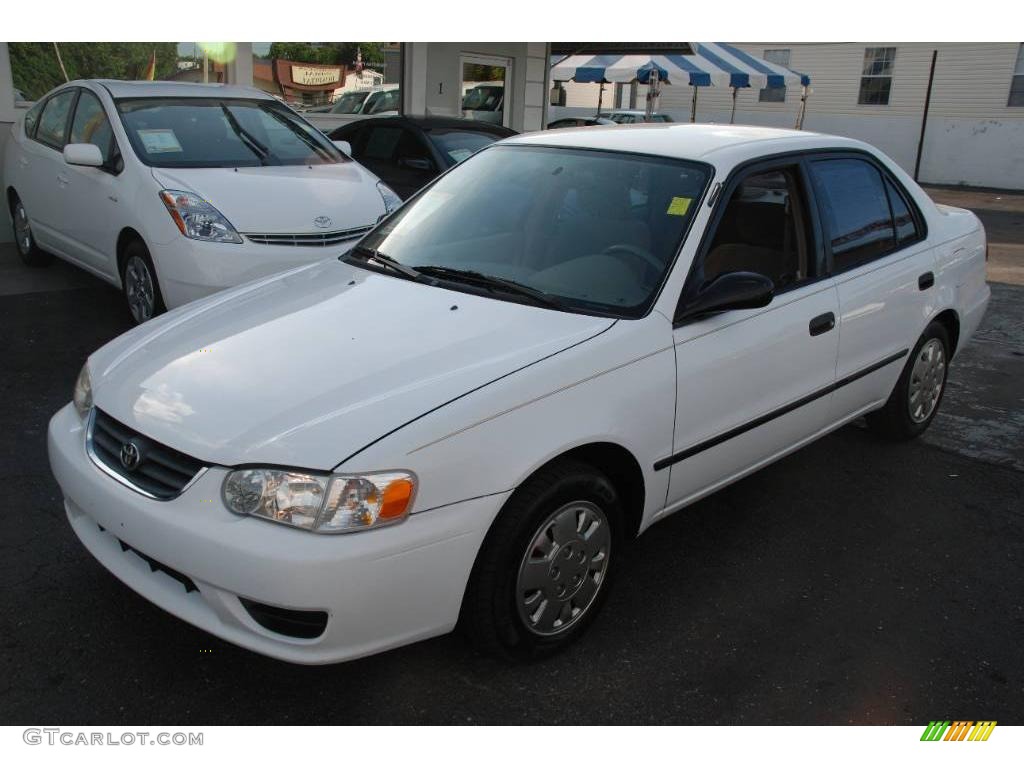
x=679, y=206
x=458, y=155
x=156, y=140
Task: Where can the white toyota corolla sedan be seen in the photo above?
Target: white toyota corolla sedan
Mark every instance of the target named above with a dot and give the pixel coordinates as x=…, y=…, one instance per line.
x=468, y=417
x=172, y=191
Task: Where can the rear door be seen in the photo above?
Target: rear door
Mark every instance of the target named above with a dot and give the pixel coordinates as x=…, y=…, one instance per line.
x=754, y=383
x=884, y=272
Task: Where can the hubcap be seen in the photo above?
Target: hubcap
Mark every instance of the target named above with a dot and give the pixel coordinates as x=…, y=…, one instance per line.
x=138, y=288
x=564, y=568
x=22, y=229
x=926, y=380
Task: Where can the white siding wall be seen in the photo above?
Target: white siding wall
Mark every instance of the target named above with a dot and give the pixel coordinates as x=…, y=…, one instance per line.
x=972, y=138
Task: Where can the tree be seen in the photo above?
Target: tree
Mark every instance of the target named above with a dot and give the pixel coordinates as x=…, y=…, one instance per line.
x=328, y=53
x=36, y=70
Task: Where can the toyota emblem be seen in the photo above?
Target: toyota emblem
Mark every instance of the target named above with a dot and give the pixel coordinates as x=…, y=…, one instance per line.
x=322, y=221
x=130, y=455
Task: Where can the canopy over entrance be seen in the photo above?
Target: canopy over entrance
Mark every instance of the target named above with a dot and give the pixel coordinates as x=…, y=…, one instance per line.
x=711, y=64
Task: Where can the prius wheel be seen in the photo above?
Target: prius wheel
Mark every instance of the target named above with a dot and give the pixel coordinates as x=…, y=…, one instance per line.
x=30, y=253
x=543, y=571
x=139, y=283
x=915, y=399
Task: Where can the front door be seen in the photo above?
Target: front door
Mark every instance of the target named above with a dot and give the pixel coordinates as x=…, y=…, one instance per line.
x=753, y=383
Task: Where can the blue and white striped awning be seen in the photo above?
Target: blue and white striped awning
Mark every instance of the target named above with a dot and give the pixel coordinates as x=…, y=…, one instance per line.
x=712, y=64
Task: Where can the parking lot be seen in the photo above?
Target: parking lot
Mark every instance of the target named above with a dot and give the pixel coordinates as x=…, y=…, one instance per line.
x=855, y=581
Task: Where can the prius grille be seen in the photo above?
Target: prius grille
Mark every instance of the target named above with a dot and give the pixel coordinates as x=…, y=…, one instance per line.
x=146, y=466
x=308, y=239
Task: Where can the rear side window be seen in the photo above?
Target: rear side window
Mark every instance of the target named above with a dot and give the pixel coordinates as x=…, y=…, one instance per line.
x=903, y=219
x=53, y=122
x=856, y=211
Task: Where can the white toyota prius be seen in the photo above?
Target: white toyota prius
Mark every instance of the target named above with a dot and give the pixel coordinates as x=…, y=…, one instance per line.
x=172, y=191
x=468, y=417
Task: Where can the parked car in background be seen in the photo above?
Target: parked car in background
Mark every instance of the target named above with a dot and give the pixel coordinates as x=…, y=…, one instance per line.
x=485, y=102
x=172, y=191
x=627, y=116
x=355, y=105
x=468, y=416
x=579, y=122
x=408, y=152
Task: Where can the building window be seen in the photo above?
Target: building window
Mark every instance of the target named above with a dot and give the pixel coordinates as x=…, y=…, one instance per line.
x=775, y=56
x=876, y=77
x=1017, y=84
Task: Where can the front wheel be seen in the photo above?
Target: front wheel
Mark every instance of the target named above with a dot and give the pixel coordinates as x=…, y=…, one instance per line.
x=916, y=397
x=139, y=283
x=30, y=253
x=544, y=569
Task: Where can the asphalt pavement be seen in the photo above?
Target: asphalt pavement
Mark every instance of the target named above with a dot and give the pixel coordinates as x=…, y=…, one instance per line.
x=854, y=581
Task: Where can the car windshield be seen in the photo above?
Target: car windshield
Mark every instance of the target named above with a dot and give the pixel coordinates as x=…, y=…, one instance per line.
x=457, y=145
x=349, y=103
x=596, y=231
x=222, y=133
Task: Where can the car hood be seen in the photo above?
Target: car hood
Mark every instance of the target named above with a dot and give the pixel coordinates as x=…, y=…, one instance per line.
x=306, y=368
x=284, y=198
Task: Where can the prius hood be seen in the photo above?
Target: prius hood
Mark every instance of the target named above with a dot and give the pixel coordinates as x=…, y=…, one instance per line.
x=306, y=368
x=284, y=198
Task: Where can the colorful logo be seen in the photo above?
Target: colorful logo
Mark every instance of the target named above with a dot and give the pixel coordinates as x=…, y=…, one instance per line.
x=959, y=730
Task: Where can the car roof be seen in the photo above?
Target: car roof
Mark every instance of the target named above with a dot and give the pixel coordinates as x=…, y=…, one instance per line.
x=428, y=123
x=692, y=141
x=120, y=89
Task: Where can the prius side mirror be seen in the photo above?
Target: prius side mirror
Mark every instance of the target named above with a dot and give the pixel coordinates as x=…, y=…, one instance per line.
x=83, y=154
x=731, y=290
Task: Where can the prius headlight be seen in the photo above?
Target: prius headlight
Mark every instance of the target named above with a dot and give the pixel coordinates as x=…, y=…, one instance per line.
x=321, y=503
x=197, y=219
x=83, y=392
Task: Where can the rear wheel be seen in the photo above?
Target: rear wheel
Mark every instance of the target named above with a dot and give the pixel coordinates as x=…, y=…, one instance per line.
x=915, y=399
x=139, y=283
x=30, y=253
x=544, y=569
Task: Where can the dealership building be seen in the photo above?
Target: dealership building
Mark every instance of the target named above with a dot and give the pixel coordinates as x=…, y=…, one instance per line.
x=954, y=112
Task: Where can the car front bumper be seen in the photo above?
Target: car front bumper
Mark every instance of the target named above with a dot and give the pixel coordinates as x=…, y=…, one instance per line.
x=192, y=269
x=380, y=589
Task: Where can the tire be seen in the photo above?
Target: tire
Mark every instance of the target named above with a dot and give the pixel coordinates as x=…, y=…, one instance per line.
x=502, y=612
x=923, y=379
x=31, y=254
x=139, y=283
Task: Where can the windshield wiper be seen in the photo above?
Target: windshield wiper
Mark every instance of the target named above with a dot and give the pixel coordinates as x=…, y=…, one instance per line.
x=494, y=283
x=372, y=254
x=259, y=149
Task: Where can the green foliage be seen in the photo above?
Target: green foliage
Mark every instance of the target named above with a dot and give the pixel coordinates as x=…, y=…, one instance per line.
x=328, y=53
x=36, y=70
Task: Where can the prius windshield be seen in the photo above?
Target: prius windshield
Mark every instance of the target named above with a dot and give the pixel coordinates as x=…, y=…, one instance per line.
x=584, y=230
x=222, y=133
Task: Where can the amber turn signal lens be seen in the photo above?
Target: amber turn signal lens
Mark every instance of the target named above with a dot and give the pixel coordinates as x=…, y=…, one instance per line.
x=396, y=500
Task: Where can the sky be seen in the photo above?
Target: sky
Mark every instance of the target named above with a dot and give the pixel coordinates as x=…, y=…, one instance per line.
x=189, y=49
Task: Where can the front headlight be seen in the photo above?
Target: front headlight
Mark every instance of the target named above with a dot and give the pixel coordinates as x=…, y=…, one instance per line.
x=83, y=392
x=197, y=219
x=321, y=503
x=391, y=200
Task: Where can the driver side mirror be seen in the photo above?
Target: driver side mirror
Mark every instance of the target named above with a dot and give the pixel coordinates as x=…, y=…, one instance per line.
x=83, y=154
x=731, y=290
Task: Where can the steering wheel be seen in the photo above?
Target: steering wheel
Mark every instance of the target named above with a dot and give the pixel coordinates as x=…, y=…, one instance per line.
x=640, y=253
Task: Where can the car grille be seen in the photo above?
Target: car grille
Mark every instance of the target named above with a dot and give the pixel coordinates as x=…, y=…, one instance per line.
x=162, y=472
x=308, y=238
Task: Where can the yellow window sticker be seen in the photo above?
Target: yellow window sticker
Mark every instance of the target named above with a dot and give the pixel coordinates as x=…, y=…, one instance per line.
x=679, y=206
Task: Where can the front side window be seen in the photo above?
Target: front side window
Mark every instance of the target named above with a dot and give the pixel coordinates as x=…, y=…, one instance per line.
x=222, y=133
x=856, y=210
x=597, y=231
x=1017, y=84
x=91, y=126
x=778, y=56
x=763, y=229
x=382, y=101
x=876, y=75
x=349, y=103
x=53, y=122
